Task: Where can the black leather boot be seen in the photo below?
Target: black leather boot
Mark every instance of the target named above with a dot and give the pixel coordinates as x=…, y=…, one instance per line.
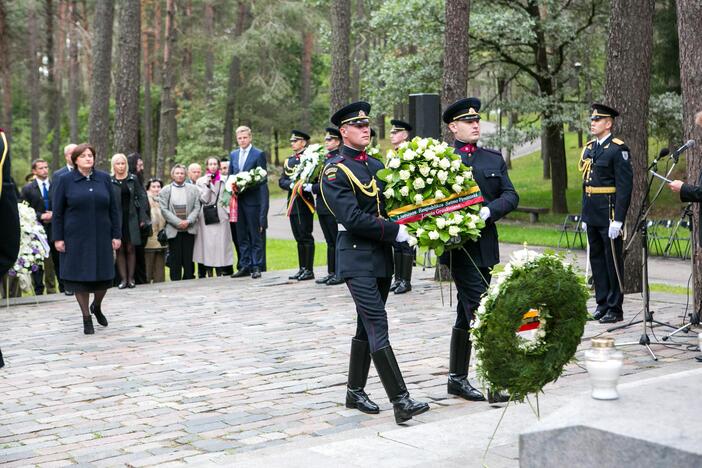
x=331, y=254
x=359, y=365
x=391, y=377
x=307, y=263
x=300, y=262
x=101, y=319
x=459, y=361
x=495, y=398
x=406, y=274
x=612, y=316
x=397, y=256
x=2, y=361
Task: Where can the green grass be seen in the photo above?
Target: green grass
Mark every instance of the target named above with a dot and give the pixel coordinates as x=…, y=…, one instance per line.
x=282, y=254
x=668, y=288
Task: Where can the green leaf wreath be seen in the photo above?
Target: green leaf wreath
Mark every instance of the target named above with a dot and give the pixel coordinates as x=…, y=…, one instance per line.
x=529, y=282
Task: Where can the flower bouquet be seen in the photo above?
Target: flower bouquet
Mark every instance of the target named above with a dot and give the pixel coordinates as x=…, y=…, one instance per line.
x=306, y=172
x=34, y=247
x=429, y=189
x=237, y=183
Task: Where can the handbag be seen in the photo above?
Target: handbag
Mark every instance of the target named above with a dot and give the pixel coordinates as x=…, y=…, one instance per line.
x=211, y=212
x=162, y=237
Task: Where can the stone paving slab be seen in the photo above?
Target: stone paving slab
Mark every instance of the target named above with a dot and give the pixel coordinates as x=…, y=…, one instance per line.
x=201, y=371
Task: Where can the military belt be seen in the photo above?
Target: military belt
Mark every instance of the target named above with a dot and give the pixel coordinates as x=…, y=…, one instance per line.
x=600, y=190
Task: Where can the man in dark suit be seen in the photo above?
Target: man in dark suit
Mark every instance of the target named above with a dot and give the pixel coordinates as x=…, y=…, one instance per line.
x=67, y=150
x=471, y=265
x=300, y=209
x=607, y=186
x=327, y=221
x=248, y=223
x=354, y=195
x=9, y=215
x=36, y=194
x=403, y=253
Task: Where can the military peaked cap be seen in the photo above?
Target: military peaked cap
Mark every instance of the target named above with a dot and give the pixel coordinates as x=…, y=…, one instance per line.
x=463, y=109
x=355, y=113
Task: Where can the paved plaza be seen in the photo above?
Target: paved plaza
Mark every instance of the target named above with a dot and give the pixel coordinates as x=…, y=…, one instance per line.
x=252, y=373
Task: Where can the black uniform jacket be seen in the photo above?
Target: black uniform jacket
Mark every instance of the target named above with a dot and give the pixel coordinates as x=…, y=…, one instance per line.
x=608, y=165
x=9, y=216
x=364, y=242
x=322, y=209
x=284, y=183
x=490, y=172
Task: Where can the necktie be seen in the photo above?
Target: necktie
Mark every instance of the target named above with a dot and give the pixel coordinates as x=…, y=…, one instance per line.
x=45, y=195
x=242, y=159
x=469, y=148
x=362, y=157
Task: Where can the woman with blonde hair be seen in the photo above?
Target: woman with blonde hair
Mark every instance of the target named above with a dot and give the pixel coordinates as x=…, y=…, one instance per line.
x=132, y=197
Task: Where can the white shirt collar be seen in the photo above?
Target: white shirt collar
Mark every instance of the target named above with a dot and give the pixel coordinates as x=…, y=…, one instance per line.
x=602, y=140
x=247, y=149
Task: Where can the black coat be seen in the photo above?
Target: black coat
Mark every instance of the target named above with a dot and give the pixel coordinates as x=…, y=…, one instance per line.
x=86, y=217
x=31, y=193
x=9, y=215
x=490, y=173
x=364, y=245
x=610, y=167
x=285, y=181
x=322, y=209
x=137, y=206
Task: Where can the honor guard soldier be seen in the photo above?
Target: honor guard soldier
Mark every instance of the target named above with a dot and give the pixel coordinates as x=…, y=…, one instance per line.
x=301, y=211
x=403, y=253
x=607, y=183
x=9, y=216
x=332, y=142
x=354, y=195
x=471, y=265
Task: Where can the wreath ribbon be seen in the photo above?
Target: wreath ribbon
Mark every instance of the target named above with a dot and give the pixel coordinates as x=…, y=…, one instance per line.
x=297, y=191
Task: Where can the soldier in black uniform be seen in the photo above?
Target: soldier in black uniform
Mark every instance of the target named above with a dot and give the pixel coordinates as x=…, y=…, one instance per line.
x=471, y=265
x=332, y=142
x=364, y=260
x=301, y=216
x=9, y=215
x=403, y=253
x=607, y=183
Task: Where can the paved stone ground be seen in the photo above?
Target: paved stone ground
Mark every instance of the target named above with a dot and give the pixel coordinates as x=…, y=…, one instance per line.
x=233, y=371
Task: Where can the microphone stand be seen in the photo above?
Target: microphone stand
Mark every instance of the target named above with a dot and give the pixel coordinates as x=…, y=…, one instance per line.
x=642, y=228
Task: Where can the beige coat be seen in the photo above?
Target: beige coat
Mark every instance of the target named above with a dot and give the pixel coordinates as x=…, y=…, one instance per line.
x=213, y=243
x=157, y=223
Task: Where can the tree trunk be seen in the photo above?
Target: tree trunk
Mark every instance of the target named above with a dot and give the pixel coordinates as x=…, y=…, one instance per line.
x=74, y=73
x=233, y=81
x=147, y=153
x=629, y=54
x=167, y=133
x=380, y=126
x=186, y=69
x=359, y=52
x=5, y=76
x=276, y=147
x=99, y=120
x=209, y=49
x=455, y=76
x=33, y=82
x=306, y=81
x=56, y=147
x=52, y=92
x=555, y=151
x=340, y=51
x=127, y=78
x=689, y=19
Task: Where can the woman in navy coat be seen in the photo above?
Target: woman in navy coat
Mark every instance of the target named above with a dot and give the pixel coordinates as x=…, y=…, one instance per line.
x=86, y=229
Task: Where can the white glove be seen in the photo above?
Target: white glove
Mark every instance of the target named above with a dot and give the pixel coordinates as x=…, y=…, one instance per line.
x=307, y=188
x=402, y=234
x=484, y=213
x=292, y=184
x=584, y=226
x=615, y=229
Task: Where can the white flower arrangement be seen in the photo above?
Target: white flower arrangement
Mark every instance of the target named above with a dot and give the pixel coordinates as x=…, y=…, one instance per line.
x=311, y=163
x=428, y=172
x=34, y=247
x=237, y=183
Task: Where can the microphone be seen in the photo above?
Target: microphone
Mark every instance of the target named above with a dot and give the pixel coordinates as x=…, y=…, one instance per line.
x=661, y=154
x=676, y=154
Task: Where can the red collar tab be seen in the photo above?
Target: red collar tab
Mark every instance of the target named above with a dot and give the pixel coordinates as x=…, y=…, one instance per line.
x=469, y=148
x=362, y=156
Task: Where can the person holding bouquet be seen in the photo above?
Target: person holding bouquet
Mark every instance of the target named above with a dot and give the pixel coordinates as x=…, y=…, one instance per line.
x=403, y=253
x=300, y=208
x=353, y=194
x=332, y=143
x=87, y=229
x=471, y=265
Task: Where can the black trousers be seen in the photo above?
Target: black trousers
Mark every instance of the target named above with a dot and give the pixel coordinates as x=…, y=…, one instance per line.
x=301, y=224
x=330, y=229
x=38, y=281
x=607, y=292
x=235, y=239
x=180, y=256
x=471, y=283
x=403, y=248
x=370, y=294
x=264, y=266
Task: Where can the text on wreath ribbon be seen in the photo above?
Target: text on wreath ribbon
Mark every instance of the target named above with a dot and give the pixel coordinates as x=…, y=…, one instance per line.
x=436, y=206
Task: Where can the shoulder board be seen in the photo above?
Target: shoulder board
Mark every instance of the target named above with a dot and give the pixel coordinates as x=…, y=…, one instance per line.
x=590, y=142
x=493, y=151
x=617, y=141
